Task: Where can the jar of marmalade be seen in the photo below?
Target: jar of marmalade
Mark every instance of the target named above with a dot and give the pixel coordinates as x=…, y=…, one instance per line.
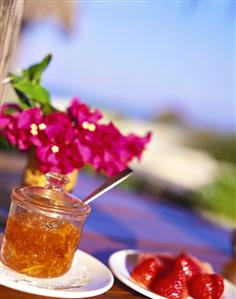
x=43, y=229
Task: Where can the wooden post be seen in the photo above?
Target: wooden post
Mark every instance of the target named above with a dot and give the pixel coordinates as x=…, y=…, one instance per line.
x=10, y=21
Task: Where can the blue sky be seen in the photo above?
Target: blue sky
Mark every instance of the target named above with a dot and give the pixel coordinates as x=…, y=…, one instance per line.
x=142, y=57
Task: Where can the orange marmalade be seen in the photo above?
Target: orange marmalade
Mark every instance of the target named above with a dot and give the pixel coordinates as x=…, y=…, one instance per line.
x=38, y=245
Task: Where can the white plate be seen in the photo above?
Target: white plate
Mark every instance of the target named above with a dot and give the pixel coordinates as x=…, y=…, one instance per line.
x=122, y=262
x=94, y=275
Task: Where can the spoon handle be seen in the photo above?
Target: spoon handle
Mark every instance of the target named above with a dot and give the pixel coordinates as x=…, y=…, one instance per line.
x=109, y=184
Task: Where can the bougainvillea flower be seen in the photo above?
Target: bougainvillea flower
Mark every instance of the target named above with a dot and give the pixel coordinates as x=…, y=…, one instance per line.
x=58, y=151
x=136, y=145
x=29, y=125
x=8, y=122
x=28, y=117
x=63, y=158
x=112, y=151
x=20, y=127
x=58, y=125
x=64, y=141
x=81, y=113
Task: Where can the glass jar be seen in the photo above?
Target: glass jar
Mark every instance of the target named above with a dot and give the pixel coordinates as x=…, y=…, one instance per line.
x=43, y=229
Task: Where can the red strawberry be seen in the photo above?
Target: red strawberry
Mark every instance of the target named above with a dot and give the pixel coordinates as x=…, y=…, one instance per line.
x=163, y=257
x=188, y=264
x=165, y=261
x=206, y=286
x=146, y=272
x=172, y=285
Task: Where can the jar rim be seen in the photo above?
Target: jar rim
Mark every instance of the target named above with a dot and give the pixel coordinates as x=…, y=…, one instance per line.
x=78, y=209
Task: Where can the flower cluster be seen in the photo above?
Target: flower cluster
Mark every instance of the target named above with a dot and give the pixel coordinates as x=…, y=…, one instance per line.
x=64, y=141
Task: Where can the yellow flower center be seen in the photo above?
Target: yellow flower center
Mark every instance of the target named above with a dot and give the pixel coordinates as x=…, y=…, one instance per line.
x=34, y=129
x=55, y=149
x=92, y=127
x=89, y=126
x=42, y=126
x=85, y=125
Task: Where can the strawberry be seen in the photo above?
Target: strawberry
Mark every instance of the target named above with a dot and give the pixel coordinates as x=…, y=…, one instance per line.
x=165, y=261
x=172, y=285
x=188, y=264
x=145, y=273
x=162, y=257
x=206, y=286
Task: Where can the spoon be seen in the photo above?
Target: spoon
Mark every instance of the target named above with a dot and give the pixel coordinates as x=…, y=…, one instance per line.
x=109, y=184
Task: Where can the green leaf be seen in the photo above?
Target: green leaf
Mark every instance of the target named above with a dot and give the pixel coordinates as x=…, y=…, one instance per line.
x=24, y=101
x=28, y=87
x=4, y=144
x=48, y=108
x=15, y=82
x=10, y=110
x=34, y=72
x=33, y=92
x=14, y=79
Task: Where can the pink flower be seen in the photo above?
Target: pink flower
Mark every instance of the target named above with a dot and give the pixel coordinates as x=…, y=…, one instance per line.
x=64, y=141
x=81, y=112
x=136, y=145
x=111, y=151
x=62, y=158
x=20, y=127
x=8, y=122
x=59, y=126
x=29, y=127
x=58, y=150
x=105, y=145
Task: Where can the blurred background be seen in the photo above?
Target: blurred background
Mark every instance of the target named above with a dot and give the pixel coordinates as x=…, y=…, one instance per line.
x=164, y=66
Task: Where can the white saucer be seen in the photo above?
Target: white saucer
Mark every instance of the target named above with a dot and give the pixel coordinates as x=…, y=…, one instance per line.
x=122, y=262
x=93, y=278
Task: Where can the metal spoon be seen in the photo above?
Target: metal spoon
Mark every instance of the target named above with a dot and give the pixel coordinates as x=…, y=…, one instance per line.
x=109, y=184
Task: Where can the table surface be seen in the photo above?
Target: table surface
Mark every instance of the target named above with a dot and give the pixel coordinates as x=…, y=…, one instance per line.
x=123, y=219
